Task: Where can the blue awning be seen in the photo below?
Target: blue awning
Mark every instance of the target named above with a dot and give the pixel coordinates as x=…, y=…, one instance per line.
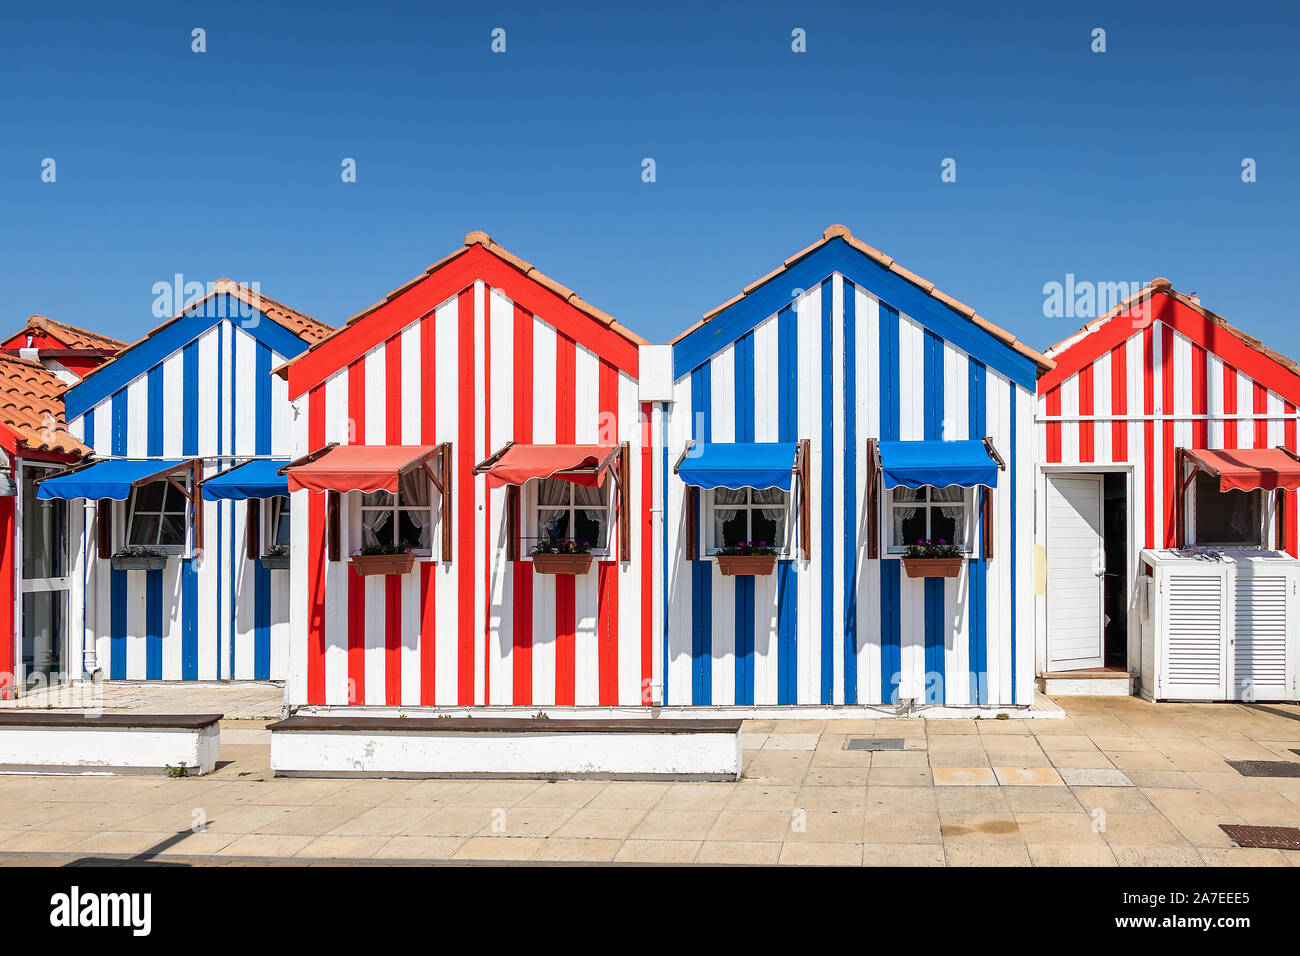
x=939, y=463
x=253, y=479
x=106, y=479
x=740, y=465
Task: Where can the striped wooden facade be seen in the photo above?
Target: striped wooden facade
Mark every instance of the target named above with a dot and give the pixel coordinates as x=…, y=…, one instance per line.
x=199, y=386
x=1159, y=375
x=476, y=353
x=860, y=353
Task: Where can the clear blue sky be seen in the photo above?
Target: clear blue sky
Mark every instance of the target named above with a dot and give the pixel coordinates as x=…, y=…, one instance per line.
x=1115, y=167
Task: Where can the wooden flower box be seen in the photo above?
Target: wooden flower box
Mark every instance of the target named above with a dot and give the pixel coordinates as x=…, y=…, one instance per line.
x=137, y=562
x=366, y=564
x=932, y=567
x=747, y=565
x=275, y=562
x=561, y=563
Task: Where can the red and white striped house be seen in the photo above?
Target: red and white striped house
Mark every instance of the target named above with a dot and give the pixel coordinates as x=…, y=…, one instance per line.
x=1128, y=423
x=477, y=411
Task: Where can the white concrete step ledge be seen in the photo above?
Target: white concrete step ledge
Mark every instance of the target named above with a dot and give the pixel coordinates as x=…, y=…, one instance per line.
x=80, y=743
x=625, y=749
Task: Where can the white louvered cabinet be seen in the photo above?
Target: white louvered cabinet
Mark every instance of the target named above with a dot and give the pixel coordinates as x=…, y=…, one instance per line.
x=1221, y=629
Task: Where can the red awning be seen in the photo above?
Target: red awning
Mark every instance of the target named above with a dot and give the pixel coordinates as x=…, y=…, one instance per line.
x=1247, y=469
x=580, y=464
x=357, y=468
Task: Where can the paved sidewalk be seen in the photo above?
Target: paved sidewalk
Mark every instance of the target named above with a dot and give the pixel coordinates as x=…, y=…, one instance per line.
x=1116, y=782
x=239, y=700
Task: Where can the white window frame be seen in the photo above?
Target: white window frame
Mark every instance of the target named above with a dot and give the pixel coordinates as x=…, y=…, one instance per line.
x=1262, y=538
x=530, y=507
x=708, y=501
x=126, y=515
x=271, y=510
x=968, y=503
x=355, y=507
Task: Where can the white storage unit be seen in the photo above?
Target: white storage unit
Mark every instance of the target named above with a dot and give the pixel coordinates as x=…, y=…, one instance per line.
x=1219, y=625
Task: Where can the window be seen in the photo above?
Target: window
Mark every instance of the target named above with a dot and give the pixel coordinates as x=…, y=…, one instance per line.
x=749, y=514
x=928, y=514
x=572, y=512
x=404, y=520
x=156, y=517
x=1226, y=517
x=278, y=524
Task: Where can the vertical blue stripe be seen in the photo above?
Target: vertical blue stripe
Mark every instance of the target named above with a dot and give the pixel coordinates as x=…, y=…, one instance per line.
x=827, y=449
x=663, y=503
x=120, y=406
x=262, y=437
x=891, y=635
x=1011, y=545
x=154, y=443
x=190, y=401
x=936, y=624
x=787, y=633
x=701, y=570
x=977, y=567
x=744, y=640
x=153, y=623
x=891, y=638
x=221, y=508
x=787, y=327
x=117, y=624
x=261, y=578
x=88, y=429
x=850, y=496
x=189, y=620
x=234, y=551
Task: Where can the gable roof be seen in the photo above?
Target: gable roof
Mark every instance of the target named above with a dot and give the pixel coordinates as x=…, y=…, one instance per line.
x=71, y=336
x=912, y=287
x=1186, y=315
x=31, y=409
x=290, y=332
x=479, y=258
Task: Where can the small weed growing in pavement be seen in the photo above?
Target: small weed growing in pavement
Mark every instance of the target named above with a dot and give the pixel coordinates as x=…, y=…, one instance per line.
x=177, y=771
x=1004, y=716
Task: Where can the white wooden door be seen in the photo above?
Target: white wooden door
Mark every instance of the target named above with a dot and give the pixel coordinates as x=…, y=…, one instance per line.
x=1261, y=635
x=1193, y=628
x=1076, y=568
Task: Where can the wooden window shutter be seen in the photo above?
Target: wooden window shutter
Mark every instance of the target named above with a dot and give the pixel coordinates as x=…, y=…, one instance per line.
x=253, y=533
x=805, y=505
x=873, y=502
x=1279, y=521
x=986, y=520
x=447, y=483
x=692, y=522
x=104, y=528
x=512, y=522
x=624, y=506
x=333, y=519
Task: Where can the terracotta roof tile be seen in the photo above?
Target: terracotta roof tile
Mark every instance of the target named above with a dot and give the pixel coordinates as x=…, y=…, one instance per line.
x=72, y=336
x=31, y=405
x=842, y=232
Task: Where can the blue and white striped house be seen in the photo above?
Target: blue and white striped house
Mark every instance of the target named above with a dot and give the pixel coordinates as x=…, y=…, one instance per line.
x=192, y=400
x=902, y=415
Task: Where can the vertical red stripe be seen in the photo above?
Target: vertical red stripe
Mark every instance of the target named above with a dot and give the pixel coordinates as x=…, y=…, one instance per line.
x=488, y=536
x=1229, y=406
x=316, y=556
x=607, y=631
x=1261, y=408
x=9, y=637
x=428, y=633
x=356, y=583
x=647, y=554
x=565, y=674
x=428, y=379
x=393, y=390
x=523, y=576
x=1085, y=408
x=1292, y=498
x=1054, y=427
x=393, y=639
x=1119, y=402
x=1148, y=429
x=466, y=549
x=1200, y=397
x=428, y=436
x=566, y=376
x=1171, y=479
x=607, y=591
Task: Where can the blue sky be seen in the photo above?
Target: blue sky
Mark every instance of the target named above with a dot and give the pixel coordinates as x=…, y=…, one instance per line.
x=1115, y=167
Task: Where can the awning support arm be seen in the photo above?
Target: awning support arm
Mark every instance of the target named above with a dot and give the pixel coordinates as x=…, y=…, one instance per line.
x=492, y=459
x=690, y=443
x=993, y=453
x=306, y=459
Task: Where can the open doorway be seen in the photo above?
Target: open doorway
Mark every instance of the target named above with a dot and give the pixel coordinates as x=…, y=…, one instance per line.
x=1115, y=534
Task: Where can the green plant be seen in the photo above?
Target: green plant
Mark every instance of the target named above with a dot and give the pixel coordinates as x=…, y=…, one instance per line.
x=747, y=547
x=277, y=551
x=370, y=549
x=177, y=771
x=1004, y=717
x=561, y=546
x=139, y=551
x=926, y=548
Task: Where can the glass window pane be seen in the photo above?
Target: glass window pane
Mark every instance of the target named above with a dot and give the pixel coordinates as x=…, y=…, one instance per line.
x=589, y=528
x=1226, y=517
x=144, y=530
x=945, y=526
x=175, y=500
x=148, y=497
x=413, y=488
x=582, y=495
x=45, y=538
x=413, y=529
x=909, y=526
x=282, y=532
x=377, y=527
x=553, y=491
x=381, y=499
x=950, y=493
x=44, y=616
x=552, y=524
x=173, y=530
x=730, y=527
x=727, y=496
x=768, y=526
x=907, y=494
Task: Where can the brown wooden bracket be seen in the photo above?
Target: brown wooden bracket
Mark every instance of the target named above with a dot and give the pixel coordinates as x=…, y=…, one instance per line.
x=993, y=453
x=690, y=443
x=492, y=459
x=306, y=459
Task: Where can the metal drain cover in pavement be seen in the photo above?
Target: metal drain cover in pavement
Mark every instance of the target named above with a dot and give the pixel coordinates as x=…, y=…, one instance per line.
x=1268, y=838
x=878, y=743
x=1266, y=768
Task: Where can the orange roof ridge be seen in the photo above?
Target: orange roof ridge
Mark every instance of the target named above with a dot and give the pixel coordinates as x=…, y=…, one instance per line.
x=77, y=338
x=31, y=405
x=1163, y=286
x=838, y=231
